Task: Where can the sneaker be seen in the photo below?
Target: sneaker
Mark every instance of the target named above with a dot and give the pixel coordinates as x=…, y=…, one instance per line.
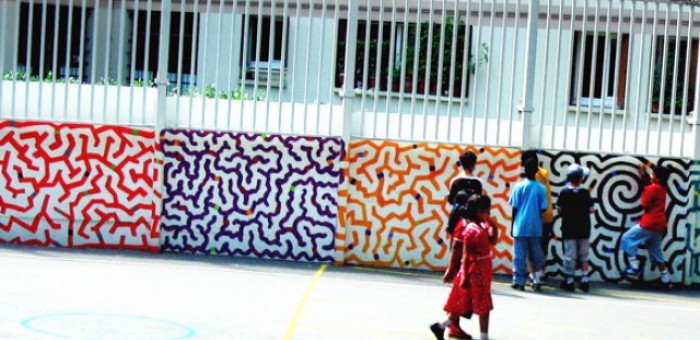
x=438, y=331
x=583, y=287
x=569, y=287
x=457, y=333
x=665, y=286
x=518, y=287
x=537, y=287
x=629, y=271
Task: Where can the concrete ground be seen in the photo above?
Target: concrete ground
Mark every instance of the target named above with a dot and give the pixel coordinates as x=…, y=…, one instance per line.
x=90, y=294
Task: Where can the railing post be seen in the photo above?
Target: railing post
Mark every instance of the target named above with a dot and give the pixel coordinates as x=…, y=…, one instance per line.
x=348, y=96
x=525, y=105
x=161, y=82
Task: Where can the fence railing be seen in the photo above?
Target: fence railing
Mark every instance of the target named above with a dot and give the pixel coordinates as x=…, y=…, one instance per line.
x=609, y=76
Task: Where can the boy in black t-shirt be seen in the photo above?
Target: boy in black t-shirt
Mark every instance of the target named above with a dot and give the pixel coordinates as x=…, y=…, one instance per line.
x=575, y=206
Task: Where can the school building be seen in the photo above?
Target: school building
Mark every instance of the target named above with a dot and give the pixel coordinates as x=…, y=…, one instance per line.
x=328, y=131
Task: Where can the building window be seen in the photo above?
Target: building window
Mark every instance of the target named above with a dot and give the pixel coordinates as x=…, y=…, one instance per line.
x=144, y=71
x=68, y=59
x=402, y=61
x=267, y=63
x=182, y=68
x=597, y=87
x=669, y=80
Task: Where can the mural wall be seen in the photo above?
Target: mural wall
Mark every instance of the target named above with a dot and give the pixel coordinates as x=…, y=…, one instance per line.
x=78, y=185
x=396, y=207
x=267, y=196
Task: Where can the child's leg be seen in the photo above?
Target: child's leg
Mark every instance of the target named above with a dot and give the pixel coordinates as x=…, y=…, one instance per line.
x=630, y=243
x=657, y=255
x=484, y=325
x=519, y=259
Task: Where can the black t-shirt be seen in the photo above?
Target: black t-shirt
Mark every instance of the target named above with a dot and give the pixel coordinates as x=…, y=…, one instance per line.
x=575, y=205
x=470, y=185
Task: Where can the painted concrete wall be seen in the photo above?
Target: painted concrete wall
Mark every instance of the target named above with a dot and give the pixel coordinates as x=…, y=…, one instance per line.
x=300, y=198
x=78, y=185
x=266, y=196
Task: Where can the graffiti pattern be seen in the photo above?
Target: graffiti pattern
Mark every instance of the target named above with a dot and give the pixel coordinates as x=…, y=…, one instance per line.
x=78, y=185
x=396, y=207
x=266, y=196
x=615, y=190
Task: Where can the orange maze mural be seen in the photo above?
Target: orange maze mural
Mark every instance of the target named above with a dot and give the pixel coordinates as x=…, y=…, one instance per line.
x=396, y=208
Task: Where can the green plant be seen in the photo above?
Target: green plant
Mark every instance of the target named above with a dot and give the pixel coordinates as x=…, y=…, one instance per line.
x=668, y=81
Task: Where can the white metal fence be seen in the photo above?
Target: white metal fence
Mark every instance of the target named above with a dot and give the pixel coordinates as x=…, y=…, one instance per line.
x=610, y=76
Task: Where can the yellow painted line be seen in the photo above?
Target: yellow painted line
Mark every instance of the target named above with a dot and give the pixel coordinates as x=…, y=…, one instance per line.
x=291, y=327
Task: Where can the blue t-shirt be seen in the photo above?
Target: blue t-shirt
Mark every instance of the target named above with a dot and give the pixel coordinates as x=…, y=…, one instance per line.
x=530, y=199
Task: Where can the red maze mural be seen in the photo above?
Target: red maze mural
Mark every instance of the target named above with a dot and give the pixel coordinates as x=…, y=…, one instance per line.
x=78, y=185
x=396, y=207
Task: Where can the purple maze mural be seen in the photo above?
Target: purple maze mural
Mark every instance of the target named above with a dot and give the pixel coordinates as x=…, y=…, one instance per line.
x=265, y=196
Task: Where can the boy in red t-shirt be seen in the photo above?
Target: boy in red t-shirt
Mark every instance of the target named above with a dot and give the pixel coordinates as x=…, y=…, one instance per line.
x=652, y=227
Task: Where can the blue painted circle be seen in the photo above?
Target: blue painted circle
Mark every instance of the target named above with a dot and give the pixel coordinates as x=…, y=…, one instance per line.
x=118, y=323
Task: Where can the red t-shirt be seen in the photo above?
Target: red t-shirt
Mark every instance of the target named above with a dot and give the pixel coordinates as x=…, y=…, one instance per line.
x=654, y=205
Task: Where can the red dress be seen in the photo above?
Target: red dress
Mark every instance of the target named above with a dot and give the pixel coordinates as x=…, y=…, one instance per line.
x=476, y=298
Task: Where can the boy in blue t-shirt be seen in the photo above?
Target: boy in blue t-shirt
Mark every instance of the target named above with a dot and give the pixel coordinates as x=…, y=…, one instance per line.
x=575, y=206
x=529, y=200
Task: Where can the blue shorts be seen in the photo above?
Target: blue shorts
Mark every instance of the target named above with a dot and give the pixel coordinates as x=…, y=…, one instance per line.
x=635, y=236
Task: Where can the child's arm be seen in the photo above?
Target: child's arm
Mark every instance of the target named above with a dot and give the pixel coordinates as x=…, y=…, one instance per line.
x=453, y=265
x=465, y=270
x=493, y=230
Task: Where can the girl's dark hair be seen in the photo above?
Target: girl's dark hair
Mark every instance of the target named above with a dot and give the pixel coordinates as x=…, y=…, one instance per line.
x=458, y=212
x=476, y=203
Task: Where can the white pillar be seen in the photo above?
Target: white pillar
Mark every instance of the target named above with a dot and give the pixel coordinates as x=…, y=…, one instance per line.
x=525, y=105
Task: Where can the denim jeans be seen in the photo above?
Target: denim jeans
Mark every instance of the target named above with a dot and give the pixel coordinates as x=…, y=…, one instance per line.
x=635, y=236
x=526, y=247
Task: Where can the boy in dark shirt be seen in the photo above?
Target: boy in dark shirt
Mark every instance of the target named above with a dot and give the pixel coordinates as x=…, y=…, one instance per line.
x=575, y=205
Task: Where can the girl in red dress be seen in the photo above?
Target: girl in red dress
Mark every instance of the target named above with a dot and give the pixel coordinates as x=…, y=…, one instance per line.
x=477, y=238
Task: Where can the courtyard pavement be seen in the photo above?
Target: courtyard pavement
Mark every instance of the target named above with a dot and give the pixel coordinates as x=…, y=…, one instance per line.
x=100, y=294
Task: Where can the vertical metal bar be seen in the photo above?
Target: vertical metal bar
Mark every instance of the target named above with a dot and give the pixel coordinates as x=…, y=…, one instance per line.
x=283, y=66
x=441, y=61
x=3, y=32
x=651, y=78
x=571, y=74
x=594, y=72
x=270, y=58
x=93, y=58
x=219, y=35
x=638, y=112
x=256, y=60
x=686, y=79
x=42, y=57
x=664, y=71
x=180, y=51
x=557, y=70
x=334, y=57
x=366, y=69
x=320, y=68
x=428, y=64
x=106, y=79
x=28, y=66
x=297, y=15
x=674, y=87
x=616, y=83
x=148, y=79
x=476, y=68
x=349, y=79
x=544, y=77
x=500, y=73
x=204, y=63
x=516, y=26
x=525, y=106
x=392, y=47
x=81, y=69
x=487, y=65
x=69, y=50
x=579, y=74
x=416, y=57
x=604, y=86
x=627, y=89
x=161, y=80
x=231, y=64
x=15, y=60
x=54, y=61
x=120, y=59
x=404, y=67
x=365, y=63
x=306, y=65
x=134, y=46
x=453, y=57
x=193, y=56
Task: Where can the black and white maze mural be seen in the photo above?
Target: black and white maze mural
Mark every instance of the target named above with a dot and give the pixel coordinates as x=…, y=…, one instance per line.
x=614, y=187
